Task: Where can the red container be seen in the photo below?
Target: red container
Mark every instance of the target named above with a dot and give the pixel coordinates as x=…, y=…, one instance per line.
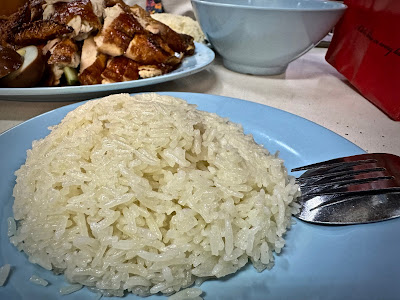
x=365, y=48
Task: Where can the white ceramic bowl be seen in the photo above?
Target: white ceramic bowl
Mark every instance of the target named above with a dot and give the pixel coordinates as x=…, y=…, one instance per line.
x=262, y=37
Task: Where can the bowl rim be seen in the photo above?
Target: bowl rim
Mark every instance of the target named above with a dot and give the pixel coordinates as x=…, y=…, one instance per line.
x=333, y=6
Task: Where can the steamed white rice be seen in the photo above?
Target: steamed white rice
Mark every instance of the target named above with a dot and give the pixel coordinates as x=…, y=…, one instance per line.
x=4, y=273
x=147, y=194
x=38, y=280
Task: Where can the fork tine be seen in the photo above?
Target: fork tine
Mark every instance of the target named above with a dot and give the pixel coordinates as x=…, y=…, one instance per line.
x=378, y=158
x=346, y=161
x=376, y=184
x=324, y=175
x=352, y=209
x=356, y=189
x=359, y=173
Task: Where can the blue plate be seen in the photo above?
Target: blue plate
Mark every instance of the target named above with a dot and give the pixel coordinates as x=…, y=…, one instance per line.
x=202, y=57
x=318, y=262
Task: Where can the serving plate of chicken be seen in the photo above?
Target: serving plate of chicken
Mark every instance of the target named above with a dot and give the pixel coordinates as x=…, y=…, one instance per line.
x=66, y=50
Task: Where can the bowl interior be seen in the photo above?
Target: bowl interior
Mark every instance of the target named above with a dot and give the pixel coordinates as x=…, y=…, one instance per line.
x=277, y=4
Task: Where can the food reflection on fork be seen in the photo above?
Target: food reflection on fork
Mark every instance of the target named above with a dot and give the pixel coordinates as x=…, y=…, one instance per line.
x=351, y=190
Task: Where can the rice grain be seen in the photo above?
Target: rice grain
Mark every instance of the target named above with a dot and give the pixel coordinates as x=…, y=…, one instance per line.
x=4, y=273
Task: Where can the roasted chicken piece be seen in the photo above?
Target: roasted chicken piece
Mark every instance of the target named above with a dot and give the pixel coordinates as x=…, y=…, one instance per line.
x=120, y=42
x=177, y=42
x=93, y=63
x=120, y=69
x=122, y=34
x=81, y=15
x=92, y=74
x=39, y=32
x=63, y=53
x=147, y=71
x=150, y=49
x=110, y=3
x=10, y=26
x=36, y=9
x=118, y=30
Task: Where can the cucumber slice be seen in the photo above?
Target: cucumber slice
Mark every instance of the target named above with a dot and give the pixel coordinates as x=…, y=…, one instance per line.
x=71, y=75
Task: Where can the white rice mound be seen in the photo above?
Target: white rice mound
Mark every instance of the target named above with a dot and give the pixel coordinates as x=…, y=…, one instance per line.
x=147, y=194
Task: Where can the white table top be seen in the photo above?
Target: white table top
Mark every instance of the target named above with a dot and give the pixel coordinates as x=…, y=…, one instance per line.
x=311, y=88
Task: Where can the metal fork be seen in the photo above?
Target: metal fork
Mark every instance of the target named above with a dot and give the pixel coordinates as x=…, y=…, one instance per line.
x=350, y=190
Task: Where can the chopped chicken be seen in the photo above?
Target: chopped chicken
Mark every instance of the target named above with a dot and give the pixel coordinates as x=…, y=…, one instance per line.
x=188, y=41
x=181, y=43
x=50, y=44
x=98, y=7
x=36, y=9
x=64, y=53
x=78, y=14
x=120, y=42
x=92, y=74
x=11, y=25
x=120, y=69
x=89, y=54
x=118, y=30
x=55, y=72
x=39, y=32
x=110, y=3
x=93, y=63
x=147, y=71
x=149, y=49
x=123, y=35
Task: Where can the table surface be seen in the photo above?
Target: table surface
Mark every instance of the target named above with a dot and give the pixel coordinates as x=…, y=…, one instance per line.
x=310, y=88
